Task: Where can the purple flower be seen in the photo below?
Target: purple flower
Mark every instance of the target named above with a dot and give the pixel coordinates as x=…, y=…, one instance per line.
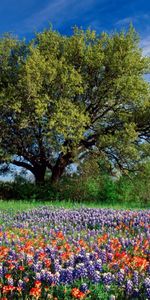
x=95, y=278
x=84, y=287
x=147, y=282
x=98, y=265
x=148, y=293
x=80, y=271
x=136, y=278
x=129, y=287
x=107, y=278
x=66, y=275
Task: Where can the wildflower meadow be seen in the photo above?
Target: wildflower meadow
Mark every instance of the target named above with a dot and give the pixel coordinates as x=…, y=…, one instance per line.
x=68, y=254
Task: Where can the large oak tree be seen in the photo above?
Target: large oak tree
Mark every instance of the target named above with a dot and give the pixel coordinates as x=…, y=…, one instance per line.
x=61, y=97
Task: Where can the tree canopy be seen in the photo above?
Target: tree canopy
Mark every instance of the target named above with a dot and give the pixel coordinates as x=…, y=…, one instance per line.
x=62, y=97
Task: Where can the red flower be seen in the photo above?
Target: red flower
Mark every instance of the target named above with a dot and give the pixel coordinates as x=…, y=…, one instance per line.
x=8, y=276
x=8, y=288
x=76, y=293
x=37, y=283
x=21, y=268
x=60, y=235
x=19, y=289
x=35, y=292
x=47, y=263
x=26, y=279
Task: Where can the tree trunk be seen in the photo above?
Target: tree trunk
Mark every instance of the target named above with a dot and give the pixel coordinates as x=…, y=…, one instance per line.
x=62, y=162
x=39, y=174
x=37, y=169
x=57, y=173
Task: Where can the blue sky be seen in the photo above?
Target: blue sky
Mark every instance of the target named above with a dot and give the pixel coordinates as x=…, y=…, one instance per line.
x=23, y=17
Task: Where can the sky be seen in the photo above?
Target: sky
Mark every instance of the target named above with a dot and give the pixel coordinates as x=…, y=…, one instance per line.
x=24, y=17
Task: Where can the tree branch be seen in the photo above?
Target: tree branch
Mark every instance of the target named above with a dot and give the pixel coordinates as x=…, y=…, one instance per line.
x=23, y=165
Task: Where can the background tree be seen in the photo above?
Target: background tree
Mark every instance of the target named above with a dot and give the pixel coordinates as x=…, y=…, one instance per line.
x=61, y=97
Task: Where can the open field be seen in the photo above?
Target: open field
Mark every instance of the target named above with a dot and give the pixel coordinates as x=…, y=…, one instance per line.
x=13, y=205
x=73, y=252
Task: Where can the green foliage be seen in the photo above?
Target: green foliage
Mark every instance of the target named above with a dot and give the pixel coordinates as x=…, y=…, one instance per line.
x=137, y=187
x=26, y=190
x=64, y=96
x=133, y=191
x=68, y=121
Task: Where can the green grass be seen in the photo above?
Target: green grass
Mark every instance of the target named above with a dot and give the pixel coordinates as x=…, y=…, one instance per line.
x=15, y=205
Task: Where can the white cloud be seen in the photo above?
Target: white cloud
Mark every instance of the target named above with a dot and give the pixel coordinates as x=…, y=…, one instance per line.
x=51, y=11
x=57, y=11
x=132, y=19
x=145, y=41
x=145, y=45
x=126, y=21
x=60, y=12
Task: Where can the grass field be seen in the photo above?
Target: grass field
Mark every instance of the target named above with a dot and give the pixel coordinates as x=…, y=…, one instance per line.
x=14, y=205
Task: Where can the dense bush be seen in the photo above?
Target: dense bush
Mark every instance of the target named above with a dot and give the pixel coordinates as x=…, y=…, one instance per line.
x=95, y=188
x=22, y=189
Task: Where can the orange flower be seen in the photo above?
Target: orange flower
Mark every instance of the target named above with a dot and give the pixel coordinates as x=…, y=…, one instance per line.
x=30, y=262
x=37, y=283
x=146, y=244
x=67, y=247
x=139, y=262
x=8, y=276
x=47, y=263
x=8, y=288
x=54, y=242
x=26, y=279
x=102, y=239
x=65, y=255
x=82, y=243
x=11, y=267
x=41, y=256
x=35, y=292
x=19, y=289
x=60, y=235
x=21, y=268
x=76, y=293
